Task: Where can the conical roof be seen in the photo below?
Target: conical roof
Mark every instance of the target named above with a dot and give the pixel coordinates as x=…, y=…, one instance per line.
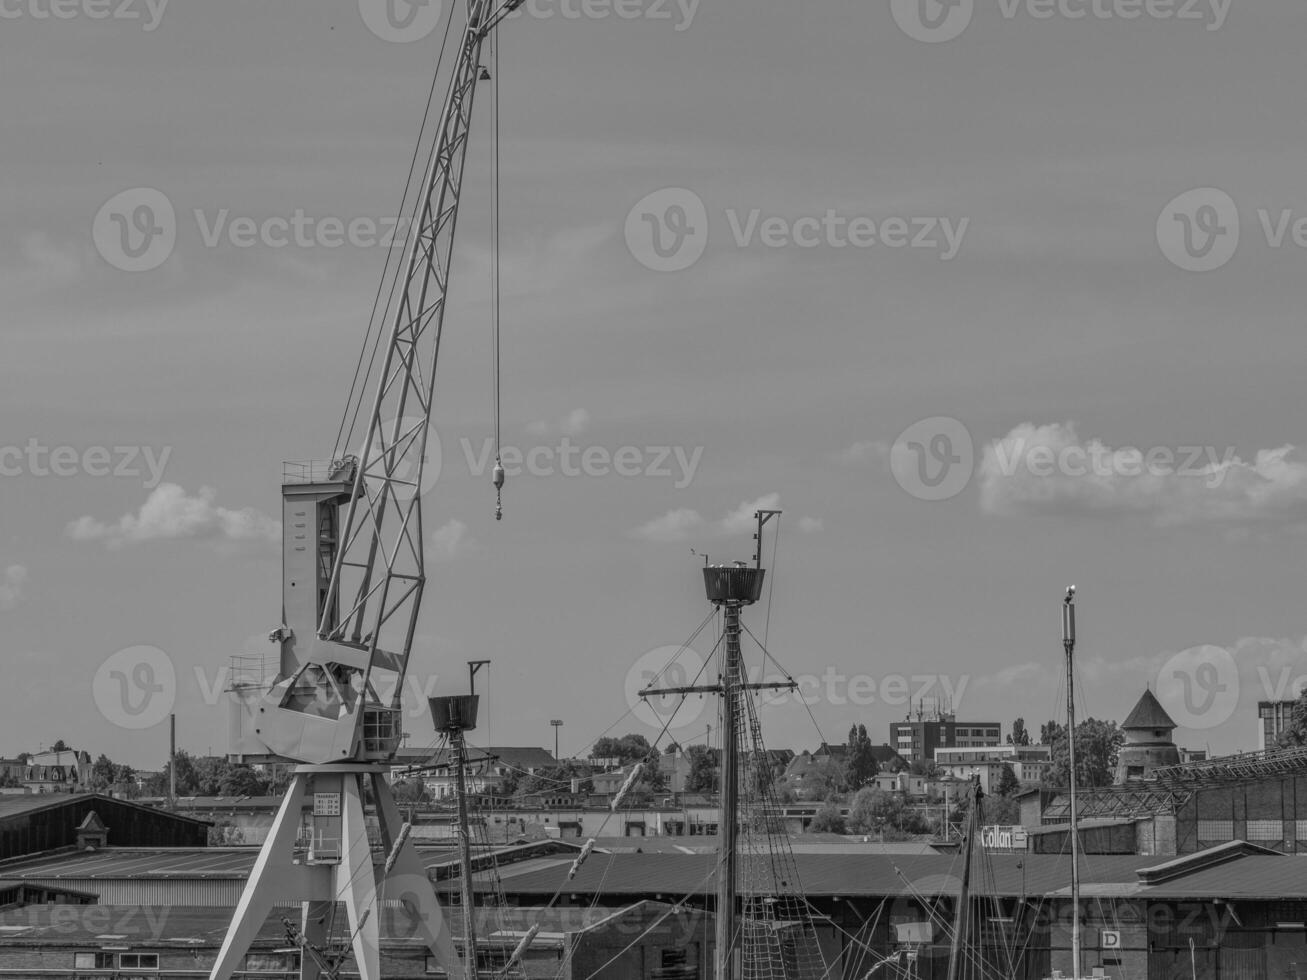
x=1148, y=713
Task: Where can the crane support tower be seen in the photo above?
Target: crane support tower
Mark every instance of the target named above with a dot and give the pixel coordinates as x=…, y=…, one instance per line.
x=353, y=576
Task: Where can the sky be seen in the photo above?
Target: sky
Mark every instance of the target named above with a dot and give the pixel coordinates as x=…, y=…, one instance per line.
x=988, y=299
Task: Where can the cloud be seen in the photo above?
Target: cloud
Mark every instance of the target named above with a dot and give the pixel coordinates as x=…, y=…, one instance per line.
x=572, y=424
x=451, y=541
x=1049, y=469
x=810, y=525
x=675, y=525
x=684, y=523
x=12, y=584
x=169, y=514
x=863, y=452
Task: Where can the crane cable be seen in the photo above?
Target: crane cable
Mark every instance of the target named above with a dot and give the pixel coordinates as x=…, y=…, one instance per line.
x=494, y=276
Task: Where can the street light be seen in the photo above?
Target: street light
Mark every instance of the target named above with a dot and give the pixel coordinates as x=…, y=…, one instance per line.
x=557, y=723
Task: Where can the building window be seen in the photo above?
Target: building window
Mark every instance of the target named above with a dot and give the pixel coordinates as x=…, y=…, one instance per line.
x=675, y=964
x=138, y=961
x=1216, y=830
x=1266, y=830
x=93, y=961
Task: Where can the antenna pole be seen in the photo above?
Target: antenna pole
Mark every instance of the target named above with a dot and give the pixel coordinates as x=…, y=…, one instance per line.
x=1069, y=645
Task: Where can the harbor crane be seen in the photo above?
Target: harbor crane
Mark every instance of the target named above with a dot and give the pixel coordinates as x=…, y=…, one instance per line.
x=353, y=580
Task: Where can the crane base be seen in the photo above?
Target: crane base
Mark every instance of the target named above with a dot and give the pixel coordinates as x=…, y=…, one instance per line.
x=337, y=866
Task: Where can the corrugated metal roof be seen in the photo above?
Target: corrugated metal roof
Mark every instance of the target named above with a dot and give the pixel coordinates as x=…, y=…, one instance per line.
x=33, y=802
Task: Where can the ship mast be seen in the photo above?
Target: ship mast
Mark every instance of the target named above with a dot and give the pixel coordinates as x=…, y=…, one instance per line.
x=962, y=915
x=1069, y=645
x=730, y=588
x=454, y=716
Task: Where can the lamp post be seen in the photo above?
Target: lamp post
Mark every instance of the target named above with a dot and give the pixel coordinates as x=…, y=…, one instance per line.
x=557, y=723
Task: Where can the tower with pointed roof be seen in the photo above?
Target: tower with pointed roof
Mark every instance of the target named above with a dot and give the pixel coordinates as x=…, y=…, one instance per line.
x=1148, y=742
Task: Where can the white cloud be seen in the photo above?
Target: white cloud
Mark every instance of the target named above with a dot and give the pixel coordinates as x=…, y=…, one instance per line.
x=684, y=523
x=1049, y=469
x=452, y=540
x=13, y=581
x=573, y=423
x=863, y=452
x=810, y=525
x=675, y=525
x=169, y=514
x=741, y=519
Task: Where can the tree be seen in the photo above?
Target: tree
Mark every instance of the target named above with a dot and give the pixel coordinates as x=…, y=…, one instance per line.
x=924, y=767
x=1019, y=734
x=861, y=766
x=60, y=746
x=1048, y=732
x=827, y=820
x=1007, y=781
x=410, y=791
x=825, y=778
x=103, y=774
x=703, y=770
x=241, y=780
x=874, y=809
x=629, y=748
x=1295, y=733
x=1097, y=746
x=187, y=778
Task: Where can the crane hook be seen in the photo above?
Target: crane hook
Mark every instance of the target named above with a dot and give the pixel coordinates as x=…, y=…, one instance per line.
x=499, y=489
